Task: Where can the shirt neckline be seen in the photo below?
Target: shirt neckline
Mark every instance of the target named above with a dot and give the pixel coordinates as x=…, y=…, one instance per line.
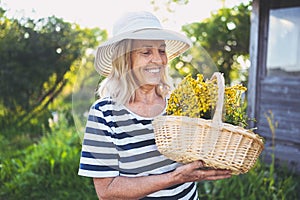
x=148, y=118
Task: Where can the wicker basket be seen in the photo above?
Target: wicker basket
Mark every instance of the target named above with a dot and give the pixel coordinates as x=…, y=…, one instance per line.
x=220, y=145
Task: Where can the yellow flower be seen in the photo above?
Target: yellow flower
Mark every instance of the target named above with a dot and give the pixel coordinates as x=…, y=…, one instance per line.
x=197, y=98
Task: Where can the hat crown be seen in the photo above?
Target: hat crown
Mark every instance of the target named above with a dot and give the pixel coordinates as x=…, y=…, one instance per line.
x=134, y=21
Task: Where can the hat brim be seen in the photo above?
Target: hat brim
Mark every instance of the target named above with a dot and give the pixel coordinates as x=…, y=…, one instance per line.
x=176, y=44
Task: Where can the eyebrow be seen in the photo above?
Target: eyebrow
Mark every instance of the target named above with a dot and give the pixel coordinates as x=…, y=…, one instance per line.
x=150, y=46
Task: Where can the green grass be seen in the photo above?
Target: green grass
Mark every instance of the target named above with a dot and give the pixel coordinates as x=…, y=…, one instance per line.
x=263, y=182
x=46, y=169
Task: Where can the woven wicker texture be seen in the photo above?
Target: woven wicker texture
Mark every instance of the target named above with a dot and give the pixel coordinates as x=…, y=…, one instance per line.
x=220, y=145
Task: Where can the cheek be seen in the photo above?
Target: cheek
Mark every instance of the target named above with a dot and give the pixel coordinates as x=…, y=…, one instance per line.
x=165, y=60
x=137, y=63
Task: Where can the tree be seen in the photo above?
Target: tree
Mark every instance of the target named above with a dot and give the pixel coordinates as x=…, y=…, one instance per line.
x=35, y=58
x=225, y=37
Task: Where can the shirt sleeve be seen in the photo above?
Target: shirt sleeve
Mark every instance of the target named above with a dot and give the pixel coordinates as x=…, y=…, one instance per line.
x=99, y=156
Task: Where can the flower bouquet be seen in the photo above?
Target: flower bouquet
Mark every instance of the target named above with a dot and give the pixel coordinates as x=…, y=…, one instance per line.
x=196, y=128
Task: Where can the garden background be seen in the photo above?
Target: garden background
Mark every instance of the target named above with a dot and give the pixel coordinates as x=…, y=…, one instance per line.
x=46, y=81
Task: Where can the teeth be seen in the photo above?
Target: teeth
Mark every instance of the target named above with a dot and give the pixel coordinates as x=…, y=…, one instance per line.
x=153, y=70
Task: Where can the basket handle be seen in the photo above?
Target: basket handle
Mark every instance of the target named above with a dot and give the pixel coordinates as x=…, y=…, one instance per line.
x=216, y=123
x=217, y=118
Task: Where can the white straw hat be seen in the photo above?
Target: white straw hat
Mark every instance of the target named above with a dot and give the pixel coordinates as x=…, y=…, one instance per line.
x=139, y=25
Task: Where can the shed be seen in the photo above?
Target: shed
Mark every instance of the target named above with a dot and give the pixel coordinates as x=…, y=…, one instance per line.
x=274, y=78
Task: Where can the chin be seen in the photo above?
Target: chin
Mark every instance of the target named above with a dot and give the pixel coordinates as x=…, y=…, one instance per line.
x=153, y=82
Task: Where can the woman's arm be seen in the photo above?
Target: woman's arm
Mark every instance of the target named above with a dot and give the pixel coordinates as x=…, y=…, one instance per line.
x=126, y=188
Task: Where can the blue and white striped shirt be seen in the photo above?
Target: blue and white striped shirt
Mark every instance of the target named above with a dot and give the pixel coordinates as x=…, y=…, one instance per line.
x=118, y=142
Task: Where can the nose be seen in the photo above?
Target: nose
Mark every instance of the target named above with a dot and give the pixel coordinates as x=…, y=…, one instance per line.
x=157, y=57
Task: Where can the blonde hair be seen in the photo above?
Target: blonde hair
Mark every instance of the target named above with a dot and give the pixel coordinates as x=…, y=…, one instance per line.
x=121, y=84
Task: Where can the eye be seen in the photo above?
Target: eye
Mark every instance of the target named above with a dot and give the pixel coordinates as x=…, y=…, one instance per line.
x=146, y=52
x=162, y=51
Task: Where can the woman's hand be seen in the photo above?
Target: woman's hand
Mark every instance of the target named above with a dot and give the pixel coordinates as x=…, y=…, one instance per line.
x=193, y=172
x=118, y=187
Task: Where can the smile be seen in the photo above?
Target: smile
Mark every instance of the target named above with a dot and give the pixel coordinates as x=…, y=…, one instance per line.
x=153, y=70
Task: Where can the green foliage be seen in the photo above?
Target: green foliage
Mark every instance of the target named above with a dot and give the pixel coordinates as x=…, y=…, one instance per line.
x=46, y=169
x=262, y=182
x=84, y=94
x=39, y=63
x=36, y=56
x=225, y=37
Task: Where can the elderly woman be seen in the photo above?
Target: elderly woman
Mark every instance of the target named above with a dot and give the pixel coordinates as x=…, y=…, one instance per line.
x=118, y=149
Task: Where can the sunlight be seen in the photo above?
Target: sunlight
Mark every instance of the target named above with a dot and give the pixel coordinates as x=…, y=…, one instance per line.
x=91, y=13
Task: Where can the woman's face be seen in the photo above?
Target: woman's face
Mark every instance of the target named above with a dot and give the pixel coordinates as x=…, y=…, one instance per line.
x=148, y=60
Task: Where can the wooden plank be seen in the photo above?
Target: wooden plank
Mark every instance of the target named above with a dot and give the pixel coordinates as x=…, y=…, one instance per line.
x=285, y=91
x=280, y=134
x=254, y=52
x=280, y=96
x=280, y=80
x=288, y=127
x=284, y=113
x=284, y=154
x=285, y=103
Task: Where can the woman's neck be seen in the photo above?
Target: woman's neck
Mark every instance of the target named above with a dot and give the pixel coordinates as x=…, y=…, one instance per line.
x=146, y=95
x=147, y=103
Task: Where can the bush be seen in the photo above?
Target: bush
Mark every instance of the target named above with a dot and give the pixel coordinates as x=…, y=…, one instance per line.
x=47, y=170
x=262, y=182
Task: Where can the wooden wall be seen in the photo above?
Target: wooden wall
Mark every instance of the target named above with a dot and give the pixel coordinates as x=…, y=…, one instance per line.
x=275, y=93
x=280, y=97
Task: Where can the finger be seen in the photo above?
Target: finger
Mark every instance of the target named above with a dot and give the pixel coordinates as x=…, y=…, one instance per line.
x=213, y=178
x=196, y=164
x=214, y=172
x=200, y=164
x=211, y=175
